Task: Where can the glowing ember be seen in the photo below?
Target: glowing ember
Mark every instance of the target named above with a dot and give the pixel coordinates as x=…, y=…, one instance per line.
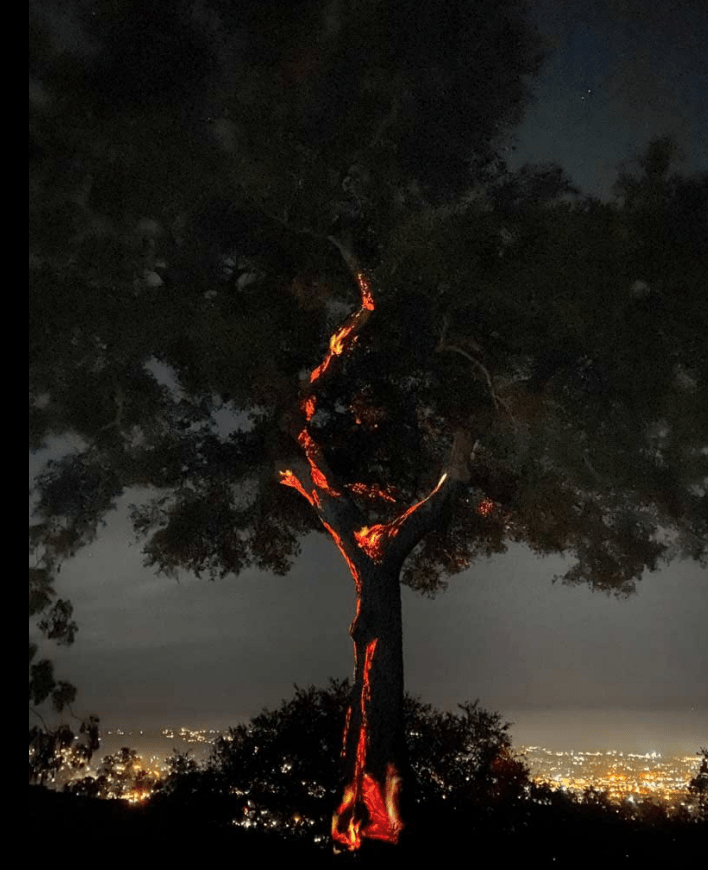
x=372, y=492
x=346, y=730
x=342, y=340
x=367, y=300
x=337, y=538
x=372, y=540
x=312, y=453
x=309, y=406
x=287, y=478
x=346, y=336
x=365, y=413
x=384, y=821
x=485, y=507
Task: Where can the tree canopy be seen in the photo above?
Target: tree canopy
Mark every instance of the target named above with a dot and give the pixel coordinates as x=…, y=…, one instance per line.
x=197, y=174
x=122, y=774
x=566, y=335
x=181, y=201
x=698, y=786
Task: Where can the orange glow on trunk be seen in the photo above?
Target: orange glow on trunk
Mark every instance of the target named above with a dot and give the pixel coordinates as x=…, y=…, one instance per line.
x=312, y=454
x=347, y=720
x=288, y=478
x=381, y=819
x=346, y=336
x=337, y=538
x=367, y=300
x=369, y=808
x=309, y=406
x=342, y=340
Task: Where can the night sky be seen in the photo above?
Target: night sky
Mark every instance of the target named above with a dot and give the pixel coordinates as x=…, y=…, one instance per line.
x=568, y=667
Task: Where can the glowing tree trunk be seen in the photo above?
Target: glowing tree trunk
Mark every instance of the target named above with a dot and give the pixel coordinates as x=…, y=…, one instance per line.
x=373, y=745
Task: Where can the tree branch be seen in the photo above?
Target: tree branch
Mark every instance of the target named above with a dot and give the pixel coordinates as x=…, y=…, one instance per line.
x=426, y=515
x=445, y=346
x=345, y=248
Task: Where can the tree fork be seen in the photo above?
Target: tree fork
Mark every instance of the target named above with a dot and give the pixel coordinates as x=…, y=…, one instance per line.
x=373, y=748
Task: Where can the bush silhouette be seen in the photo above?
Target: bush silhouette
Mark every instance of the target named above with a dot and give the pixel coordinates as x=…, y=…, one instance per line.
x=281, y=771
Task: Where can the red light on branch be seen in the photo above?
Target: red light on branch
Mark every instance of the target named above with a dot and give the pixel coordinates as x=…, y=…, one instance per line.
x=347, y=720
x=368, y=808
x=367, y=300
x=373, y=539
x=287, y=478
x=342, y=340
x=312, y=453
x=337, y=538
x=384, y=822
x=370, y=491
x=309, y=406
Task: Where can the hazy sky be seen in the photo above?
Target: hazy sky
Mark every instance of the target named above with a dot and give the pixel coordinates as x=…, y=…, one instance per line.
x=620, y=72
x=151, y=650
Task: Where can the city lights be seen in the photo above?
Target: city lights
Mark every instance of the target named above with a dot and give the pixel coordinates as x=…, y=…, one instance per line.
x=622, y=776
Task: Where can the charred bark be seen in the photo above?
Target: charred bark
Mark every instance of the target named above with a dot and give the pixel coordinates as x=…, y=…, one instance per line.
x=373, y=749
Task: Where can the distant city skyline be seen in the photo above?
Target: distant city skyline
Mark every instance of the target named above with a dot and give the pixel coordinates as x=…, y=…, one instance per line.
x=668, y=733
x=624, y=775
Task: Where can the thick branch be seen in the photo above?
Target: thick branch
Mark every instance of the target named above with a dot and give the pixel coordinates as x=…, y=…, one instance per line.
x=427, y=514
x=345, y=248
x=334, y=507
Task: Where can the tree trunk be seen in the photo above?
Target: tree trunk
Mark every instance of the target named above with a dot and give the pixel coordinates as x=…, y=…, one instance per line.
x=373, y=748
x=374, y=743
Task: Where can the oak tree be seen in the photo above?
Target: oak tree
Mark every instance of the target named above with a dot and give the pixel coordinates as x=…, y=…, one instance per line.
x=216, y=195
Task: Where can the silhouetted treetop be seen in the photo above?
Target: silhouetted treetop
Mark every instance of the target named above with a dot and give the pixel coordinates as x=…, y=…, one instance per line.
x=187, y=270
x=282, y=768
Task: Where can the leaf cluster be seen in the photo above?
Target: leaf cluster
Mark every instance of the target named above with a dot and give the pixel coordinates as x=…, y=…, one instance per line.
x=53, y=749
x=698, y=786
x=58, y=753
x=121, y=775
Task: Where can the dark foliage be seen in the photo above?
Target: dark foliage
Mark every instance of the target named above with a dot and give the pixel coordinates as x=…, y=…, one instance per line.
x=279, y=775
x=188, y=168
x=120, y=775
x=57, y=752
x=282, y=770
x=698, y=787
x=54, y=748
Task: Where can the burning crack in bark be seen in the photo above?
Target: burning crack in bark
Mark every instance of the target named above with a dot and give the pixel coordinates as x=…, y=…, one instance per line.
x=369, y=809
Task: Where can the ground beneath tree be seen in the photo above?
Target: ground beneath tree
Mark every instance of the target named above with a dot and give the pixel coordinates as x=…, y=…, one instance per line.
x=70, y=831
